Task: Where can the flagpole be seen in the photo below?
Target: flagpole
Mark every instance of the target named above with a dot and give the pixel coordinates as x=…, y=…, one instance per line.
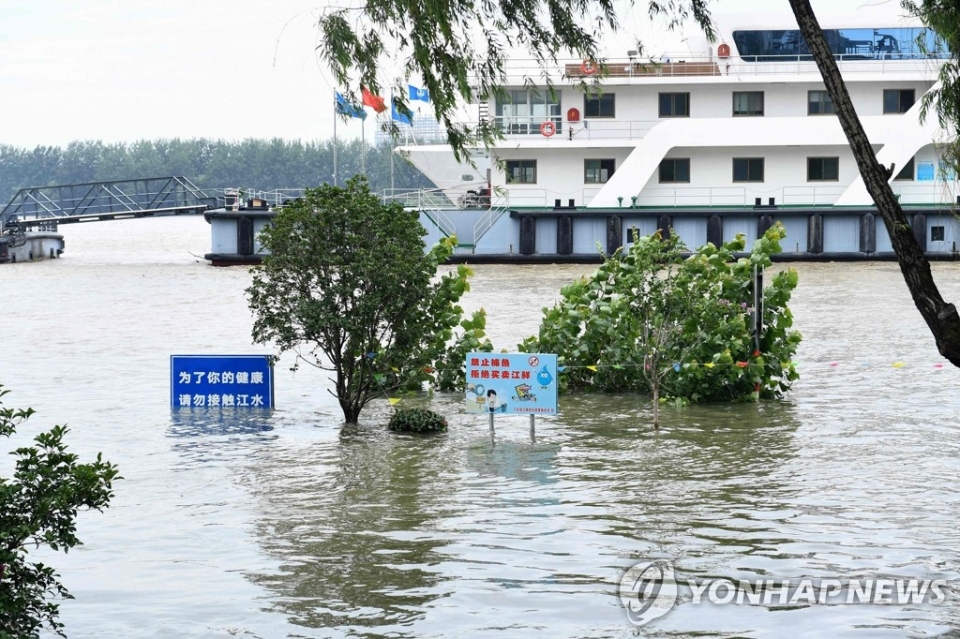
x=392, y=146
x=363, y=146
x=335, y=141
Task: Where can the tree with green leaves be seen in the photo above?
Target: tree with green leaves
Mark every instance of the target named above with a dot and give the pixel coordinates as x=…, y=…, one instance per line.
x=652, y=320
x=461, y=51
x=348, y=286
x=39, y=505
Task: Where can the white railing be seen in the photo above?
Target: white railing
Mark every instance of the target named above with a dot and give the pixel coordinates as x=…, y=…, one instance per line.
x=443, y=222
x=811, y=195
x=694, y=196
x=564, y=130
x=686, y=64
x=488, y=219
x=933, y=193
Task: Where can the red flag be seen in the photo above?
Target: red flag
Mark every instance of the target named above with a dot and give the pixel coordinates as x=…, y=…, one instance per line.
x=374, y=101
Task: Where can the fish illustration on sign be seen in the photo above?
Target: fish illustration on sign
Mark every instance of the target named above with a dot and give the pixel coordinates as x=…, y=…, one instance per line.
x=524, y=394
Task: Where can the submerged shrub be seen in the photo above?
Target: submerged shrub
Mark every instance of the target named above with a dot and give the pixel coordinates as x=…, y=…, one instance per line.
x=658, y=320
x=417, y=420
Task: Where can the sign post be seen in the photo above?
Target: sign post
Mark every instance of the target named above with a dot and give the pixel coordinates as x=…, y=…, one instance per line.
x=221, y=381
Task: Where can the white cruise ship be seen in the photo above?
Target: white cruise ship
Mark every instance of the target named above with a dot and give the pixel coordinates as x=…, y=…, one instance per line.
x=709, y=139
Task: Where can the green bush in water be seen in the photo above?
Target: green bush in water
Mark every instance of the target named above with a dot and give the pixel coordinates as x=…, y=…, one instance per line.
x=657, y=319
x=417, y=420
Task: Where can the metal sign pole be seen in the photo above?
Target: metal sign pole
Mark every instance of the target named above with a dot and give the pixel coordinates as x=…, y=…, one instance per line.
x=533, y=432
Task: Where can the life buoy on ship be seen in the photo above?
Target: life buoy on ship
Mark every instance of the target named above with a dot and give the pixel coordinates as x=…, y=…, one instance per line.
x=587, y=67
x=547, y=129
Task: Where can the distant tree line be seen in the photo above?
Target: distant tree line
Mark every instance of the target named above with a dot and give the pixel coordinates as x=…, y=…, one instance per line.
x=251, y=163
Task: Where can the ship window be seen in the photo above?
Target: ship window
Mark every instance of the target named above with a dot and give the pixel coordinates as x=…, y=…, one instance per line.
x=880, y=43
x=748, y=169
x=819, y=103
x=599, y=106
x=674, y=105
x=906, y=173
x=675, y=170
x=897, y=100
x=523, y=111
x=521, y=171
x=748, y=102
x=823, y=169
x=936, y=234
x=598, y=171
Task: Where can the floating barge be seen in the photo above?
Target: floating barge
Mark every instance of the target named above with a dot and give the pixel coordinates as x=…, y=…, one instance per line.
x=578, y=235
x=21, y=244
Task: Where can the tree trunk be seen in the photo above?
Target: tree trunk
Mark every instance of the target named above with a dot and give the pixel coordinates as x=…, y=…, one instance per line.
x=351, y=412
x=655, y=387
x=941, y=317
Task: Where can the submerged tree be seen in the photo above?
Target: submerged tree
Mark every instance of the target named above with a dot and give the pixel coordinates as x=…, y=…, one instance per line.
x=436, y=41
x=655, y=321
x=347, y=284
x=39, y=507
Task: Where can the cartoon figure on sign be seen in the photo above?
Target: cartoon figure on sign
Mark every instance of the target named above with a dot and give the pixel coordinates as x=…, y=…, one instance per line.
x=544, y=377
x=493, y=404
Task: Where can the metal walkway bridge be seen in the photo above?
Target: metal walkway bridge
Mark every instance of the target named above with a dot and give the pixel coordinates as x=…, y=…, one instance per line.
x=106, y=201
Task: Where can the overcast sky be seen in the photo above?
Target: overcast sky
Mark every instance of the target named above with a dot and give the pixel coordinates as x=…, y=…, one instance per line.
x=125, y=70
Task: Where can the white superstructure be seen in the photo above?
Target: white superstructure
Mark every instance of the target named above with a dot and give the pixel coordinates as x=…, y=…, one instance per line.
x=741, y=122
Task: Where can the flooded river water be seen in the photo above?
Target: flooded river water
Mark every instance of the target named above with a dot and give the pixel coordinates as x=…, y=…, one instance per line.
x=289, y=525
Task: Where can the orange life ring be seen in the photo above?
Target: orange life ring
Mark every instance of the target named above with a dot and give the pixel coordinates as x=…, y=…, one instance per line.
x=547, y=129
x=587, y=67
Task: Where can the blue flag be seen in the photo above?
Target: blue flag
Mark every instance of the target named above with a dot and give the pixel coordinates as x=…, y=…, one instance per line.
x=400, y=117
x=416, y=93
x=346, y=108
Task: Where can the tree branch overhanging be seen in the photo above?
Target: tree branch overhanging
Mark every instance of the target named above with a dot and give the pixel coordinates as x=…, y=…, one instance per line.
x=941, y=317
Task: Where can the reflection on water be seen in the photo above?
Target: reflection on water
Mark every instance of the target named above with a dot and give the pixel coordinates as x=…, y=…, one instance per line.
x=403, y=535
x=284, y=524
x=197, y=422
x=346, y=531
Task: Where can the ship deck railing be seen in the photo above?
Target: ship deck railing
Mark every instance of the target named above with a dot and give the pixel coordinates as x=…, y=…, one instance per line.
x=933, y=193
x=685, y=65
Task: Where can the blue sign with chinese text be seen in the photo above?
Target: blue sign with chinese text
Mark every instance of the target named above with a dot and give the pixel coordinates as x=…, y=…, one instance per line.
x=512, y=383
x=221, y=381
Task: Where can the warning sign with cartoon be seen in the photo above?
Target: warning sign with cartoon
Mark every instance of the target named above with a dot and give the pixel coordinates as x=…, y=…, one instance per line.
x=512, y=383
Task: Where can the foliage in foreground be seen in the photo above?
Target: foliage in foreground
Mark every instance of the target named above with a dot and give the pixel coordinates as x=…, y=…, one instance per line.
x=347, y=284
x=462, y=50
x=652, y=320
x=417, y=420
x=39, y=507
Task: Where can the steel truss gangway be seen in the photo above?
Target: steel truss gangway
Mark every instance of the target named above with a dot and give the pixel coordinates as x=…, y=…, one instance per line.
x=114, y=200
